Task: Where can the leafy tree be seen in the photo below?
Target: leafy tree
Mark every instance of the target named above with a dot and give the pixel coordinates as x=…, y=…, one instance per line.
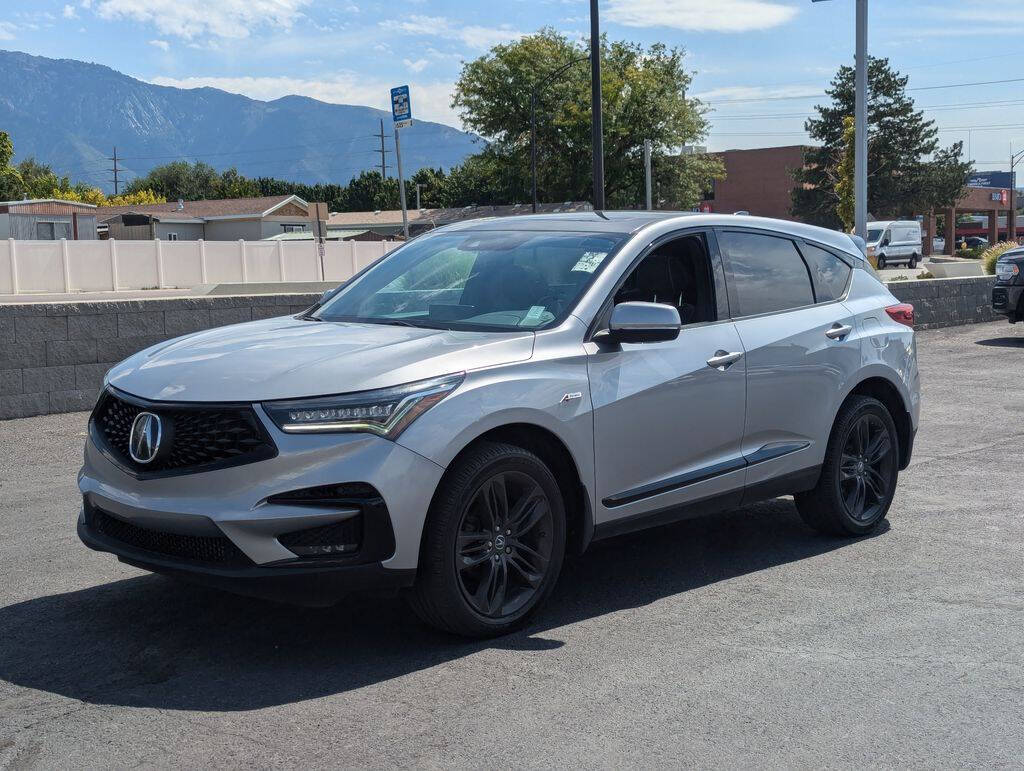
x=189, y=181
x=139, y=198
x=39, y=180
x=10, y=179
x=644, y=97
x=907, y=172
x=844, y=183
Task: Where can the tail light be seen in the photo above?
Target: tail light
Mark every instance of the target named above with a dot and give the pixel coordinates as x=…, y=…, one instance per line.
x=902, y=314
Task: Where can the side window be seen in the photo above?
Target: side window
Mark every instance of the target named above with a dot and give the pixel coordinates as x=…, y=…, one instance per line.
x=830, y=274
x=677, y=273
x=766, y=273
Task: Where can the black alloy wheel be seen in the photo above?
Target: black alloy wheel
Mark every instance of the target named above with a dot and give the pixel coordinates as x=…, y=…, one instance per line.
x=493, y=542
x=858, y=477
x=866, y=468
x=504, y=544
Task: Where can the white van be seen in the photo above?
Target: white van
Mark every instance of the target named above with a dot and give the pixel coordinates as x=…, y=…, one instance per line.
x=895, y=242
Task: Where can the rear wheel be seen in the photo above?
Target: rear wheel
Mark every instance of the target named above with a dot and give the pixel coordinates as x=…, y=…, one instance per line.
x=858, y=477
x=913, y=261
x=881, y=261
x=493, y=542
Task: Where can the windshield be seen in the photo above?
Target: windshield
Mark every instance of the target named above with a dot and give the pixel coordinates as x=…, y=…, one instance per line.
x=875, y=235
x=479, y=280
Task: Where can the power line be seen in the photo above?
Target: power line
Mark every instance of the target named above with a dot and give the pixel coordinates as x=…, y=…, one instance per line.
x=926, y=108
x=822, y=93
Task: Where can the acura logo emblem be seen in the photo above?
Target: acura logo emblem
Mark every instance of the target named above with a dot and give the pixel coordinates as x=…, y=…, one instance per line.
x=144, y=442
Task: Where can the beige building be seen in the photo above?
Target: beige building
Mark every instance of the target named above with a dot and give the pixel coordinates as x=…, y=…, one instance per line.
x=47, y=219
x=228, y=219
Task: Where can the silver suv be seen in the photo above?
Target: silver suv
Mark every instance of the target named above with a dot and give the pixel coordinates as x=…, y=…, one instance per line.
x=492, y=395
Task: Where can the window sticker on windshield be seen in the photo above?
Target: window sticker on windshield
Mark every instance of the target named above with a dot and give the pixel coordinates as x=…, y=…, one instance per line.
x=532, y=317
x=589, y=261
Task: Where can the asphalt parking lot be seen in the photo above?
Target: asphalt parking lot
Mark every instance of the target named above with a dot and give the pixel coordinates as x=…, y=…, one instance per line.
x=732, y=641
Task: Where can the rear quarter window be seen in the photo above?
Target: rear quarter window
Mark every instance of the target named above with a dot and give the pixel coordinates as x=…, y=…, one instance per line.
x=829, y=273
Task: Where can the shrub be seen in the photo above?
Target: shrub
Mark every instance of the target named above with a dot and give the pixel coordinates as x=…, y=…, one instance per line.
x=991, y=255
x=970, y=254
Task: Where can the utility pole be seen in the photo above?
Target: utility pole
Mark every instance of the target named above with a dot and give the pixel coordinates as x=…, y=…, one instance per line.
x=860, y=113
x=647, y=174
x=596, y=123
x=383, y=152
x=1011, y=216
x=115, y=170
x=860, y=156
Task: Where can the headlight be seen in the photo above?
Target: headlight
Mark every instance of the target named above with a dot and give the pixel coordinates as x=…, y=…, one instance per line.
x=1007, y=270
x=386, y=412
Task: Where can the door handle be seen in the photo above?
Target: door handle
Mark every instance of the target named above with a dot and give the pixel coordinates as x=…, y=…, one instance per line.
x=722, y=360
x=838, y=331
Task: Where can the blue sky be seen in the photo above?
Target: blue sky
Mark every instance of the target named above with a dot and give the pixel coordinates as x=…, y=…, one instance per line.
x=758, y=63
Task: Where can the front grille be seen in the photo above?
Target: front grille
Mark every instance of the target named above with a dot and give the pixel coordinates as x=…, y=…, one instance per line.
x=210, y=549
x=196, y=437
x=1000, y=297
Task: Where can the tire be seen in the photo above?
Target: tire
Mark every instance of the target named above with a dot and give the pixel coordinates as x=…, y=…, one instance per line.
x=465, y=559
x=913, y=261
x=880, y=259
x=831, y=506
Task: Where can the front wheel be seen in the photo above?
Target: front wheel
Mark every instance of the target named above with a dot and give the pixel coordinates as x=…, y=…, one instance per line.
x=880, y=260
x=858, y=477
x=493, y=542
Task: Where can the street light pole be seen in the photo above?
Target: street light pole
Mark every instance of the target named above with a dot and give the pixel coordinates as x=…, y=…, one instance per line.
x=860, y=112
x=860, y=172
x=596, y=125
x=1011, y=216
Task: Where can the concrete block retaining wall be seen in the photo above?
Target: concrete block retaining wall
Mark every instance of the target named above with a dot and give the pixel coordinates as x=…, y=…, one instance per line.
x=948, y=302
x=53, y=355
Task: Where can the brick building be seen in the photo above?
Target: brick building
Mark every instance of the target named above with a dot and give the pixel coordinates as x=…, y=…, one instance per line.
x=758, y=181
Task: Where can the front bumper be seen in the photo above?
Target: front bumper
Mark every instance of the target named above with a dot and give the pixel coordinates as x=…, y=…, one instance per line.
x=309, y=585
x=1006, y=300
x=234, y=503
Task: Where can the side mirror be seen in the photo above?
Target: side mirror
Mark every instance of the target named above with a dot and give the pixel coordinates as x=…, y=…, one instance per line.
x=637, y=322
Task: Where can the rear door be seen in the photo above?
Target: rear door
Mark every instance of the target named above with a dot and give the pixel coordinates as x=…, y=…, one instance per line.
x=800, y=347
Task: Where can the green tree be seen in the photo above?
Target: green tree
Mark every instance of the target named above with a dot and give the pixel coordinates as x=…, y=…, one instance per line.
x=190, y=181
x=643, y=97
x=39, y=180
x=11, y=186
x=844, y=182
x=907, y=172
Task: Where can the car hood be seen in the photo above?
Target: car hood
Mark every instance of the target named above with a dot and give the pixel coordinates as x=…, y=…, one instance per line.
x=287, y=358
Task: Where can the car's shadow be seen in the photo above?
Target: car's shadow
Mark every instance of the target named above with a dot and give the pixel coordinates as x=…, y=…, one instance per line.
x=1003, y=342
x=153, y=642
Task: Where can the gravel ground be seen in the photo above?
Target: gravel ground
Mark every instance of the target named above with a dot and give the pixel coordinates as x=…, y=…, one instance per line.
x=738, y=640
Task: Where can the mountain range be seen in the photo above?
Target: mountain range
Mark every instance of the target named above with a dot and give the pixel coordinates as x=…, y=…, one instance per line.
x=71, y=115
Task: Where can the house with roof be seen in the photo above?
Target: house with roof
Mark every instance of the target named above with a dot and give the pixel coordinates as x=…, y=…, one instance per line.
x=47, y=219
x=228, y=219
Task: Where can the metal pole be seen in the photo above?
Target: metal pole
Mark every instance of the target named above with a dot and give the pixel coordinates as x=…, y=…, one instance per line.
x=596, y=124
x=533, y=146
x=647, y=173
x=401, y=183
x=861, y=129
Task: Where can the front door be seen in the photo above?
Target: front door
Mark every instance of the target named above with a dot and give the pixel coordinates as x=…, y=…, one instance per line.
x=668, y=416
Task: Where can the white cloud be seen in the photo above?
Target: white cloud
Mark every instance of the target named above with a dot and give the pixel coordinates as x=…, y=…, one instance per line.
x=163, y=45
x=431, y=100
x=7, y=30
x=700, y=15
x=751, y=93
x=193, y=18
x=416, y=66
x=70, y=12
x=474, y=36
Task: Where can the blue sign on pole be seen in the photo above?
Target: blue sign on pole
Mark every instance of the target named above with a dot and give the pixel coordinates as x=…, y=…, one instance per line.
x=401, y=108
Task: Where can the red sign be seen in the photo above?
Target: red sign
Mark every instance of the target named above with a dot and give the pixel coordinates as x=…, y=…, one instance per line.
x=1004, y=197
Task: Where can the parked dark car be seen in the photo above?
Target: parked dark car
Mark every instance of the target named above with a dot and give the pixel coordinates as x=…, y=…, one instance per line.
x=1008, y=293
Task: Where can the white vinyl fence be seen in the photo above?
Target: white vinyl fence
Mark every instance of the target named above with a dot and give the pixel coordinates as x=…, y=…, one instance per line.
x=91, y=266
